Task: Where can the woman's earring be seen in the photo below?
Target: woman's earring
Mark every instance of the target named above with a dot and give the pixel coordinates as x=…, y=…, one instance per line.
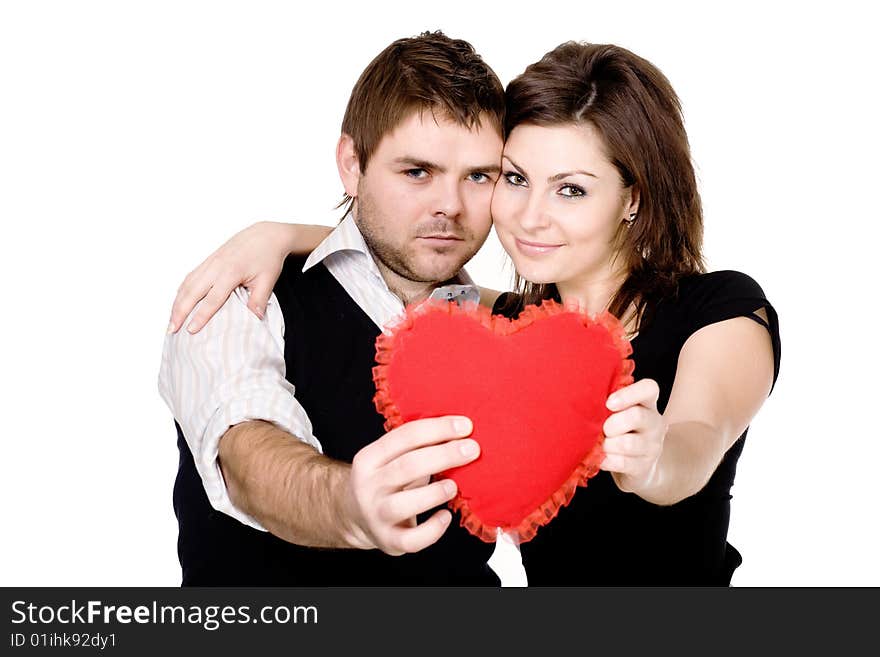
x=632, y=218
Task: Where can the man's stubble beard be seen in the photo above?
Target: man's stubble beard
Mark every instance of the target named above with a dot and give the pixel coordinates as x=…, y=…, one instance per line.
x=394, y=257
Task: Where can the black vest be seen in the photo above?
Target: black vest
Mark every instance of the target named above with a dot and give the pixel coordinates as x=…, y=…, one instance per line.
x=329, y=350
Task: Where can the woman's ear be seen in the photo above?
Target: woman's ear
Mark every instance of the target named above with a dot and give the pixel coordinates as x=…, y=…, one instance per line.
x=348, y=164
x=630, y=205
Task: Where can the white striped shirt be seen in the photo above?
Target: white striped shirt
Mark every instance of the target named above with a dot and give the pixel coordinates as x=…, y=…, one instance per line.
x=233, y=370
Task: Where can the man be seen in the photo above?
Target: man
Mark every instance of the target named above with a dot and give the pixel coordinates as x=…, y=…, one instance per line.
x=344, y=502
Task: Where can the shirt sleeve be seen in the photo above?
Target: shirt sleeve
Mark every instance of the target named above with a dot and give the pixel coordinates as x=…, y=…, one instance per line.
x=723, y=295
x=231, y=371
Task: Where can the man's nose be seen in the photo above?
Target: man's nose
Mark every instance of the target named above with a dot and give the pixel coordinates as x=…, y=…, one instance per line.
x=448, y=201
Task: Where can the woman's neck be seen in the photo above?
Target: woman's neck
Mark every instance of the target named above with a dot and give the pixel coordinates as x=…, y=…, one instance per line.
x=593, y=295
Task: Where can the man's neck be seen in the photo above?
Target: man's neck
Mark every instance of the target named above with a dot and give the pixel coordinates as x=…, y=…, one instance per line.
x=406, y=290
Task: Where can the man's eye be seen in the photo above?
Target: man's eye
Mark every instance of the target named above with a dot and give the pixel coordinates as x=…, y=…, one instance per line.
x=418, y=174
x=572, y=191
x=478, y=177
x=515, y=179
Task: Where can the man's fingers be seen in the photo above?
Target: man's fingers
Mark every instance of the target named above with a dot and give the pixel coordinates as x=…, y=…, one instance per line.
x=427, y=461
x=644, y=392
x=413, y=435
x=390, y=465
x=421, y=481
x=400, y=507
x=414, y=539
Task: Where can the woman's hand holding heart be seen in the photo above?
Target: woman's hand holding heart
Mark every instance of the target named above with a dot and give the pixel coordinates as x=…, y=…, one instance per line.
x=634, y=436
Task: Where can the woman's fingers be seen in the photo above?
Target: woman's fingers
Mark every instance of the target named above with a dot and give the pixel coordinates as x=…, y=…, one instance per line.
x=250, y=258
x=616, y=463
x=631, y=453
x=212, y=302
x=643, y=392
x=260, y=290
x=193, y=289
x=629, y=444
x=634, y=418
x=634, y=433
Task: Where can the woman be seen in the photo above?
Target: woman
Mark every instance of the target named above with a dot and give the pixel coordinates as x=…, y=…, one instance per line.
x=597, y=202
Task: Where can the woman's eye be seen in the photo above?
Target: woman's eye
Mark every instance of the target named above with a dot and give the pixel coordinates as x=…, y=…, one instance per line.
x=514, y=179
x=572, y=191
x=418, y=174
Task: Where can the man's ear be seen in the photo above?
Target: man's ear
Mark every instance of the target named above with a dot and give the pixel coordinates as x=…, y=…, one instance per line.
x=348, y=164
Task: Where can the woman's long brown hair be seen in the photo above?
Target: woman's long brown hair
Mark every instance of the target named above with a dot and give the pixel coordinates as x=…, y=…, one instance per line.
x=638, y=116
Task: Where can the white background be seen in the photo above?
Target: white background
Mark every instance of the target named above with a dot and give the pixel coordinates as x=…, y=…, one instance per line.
x=137, y=137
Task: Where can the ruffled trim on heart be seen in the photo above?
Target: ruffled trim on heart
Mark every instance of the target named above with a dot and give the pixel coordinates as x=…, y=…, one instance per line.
x=385, y=345
x=623, y=346
x=587, y=468
x=384, y=350
x=529, y=526
x=609, y=322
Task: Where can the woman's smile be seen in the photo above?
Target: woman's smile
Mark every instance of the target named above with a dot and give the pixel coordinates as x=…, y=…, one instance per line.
x=536, y=249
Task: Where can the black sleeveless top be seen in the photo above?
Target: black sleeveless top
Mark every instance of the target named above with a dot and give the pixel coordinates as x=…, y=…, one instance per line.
x=329, y=351
x=605, y=537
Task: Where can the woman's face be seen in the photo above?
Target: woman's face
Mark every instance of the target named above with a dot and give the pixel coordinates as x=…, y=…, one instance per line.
x=558, y=205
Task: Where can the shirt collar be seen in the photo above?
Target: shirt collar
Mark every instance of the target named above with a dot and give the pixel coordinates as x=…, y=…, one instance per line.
x=347, y=237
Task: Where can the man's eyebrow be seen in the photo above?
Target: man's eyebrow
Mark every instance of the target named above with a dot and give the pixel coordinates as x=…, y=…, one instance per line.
x=486, y=168
x=418, y=163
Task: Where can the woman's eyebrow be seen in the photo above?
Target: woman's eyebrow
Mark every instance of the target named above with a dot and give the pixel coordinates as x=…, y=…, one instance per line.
x=551, y=179
x=560, y=176
x=516, y=166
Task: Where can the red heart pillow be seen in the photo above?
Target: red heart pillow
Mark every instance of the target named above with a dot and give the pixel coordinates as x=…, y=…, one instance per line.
x=535, y=388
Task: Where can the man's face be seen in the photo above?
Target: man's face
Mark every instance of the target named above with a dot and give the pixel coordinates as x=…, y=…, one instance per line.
x=423, y=202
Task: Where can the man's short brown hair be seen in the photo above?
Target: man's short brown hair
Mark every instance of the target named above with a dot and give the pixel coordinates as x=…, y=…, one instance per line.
x=428, y=72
